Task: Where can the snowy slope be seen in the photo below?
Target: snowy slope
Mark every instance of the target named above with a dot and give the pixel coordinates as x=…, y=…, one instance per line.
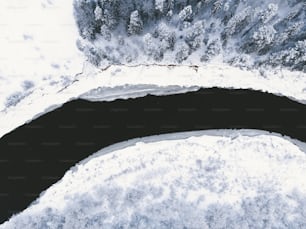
x=208, y=179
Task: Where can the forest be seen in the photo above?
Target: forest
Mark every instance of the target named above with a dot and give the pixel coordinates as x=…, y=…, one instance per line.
x=242, y=33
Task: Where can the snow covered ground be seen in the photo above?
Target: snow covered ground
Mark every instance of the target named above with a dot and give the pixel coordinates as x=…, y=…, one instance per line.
x=207, y=179
x=37, y=44
x=41, y=67
x=199, y=180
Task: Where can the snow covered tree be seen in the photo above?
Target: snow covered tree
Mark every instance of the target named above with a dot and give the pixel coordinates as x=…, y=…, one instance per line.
x=267, y=14
x=165, y=35
x=202, y=28
x=160, y=5
x=153, y=47
x=194, y=35
x=147, y=9
x=263, y=36
x=109, y=19
x=98, y=13
x=186, y=14
x=238, y=22
x=213, y=49
x=183, y=51
x=105, y=33
x=229, y=10
x=294, y=58
x=85, y=18
x=290, y=32
x=93, y=55
x=135, y=25
x=217, y=5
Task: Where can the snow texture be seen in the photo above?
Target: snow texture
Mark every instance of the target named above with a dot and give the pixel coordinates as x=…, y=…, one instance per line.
x=244, y=33
x=208, y=179
x=37, y=44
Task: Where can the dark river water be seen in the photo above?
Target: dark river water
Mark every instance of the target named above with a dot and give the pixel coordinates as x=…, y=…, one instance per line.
x=37, y=154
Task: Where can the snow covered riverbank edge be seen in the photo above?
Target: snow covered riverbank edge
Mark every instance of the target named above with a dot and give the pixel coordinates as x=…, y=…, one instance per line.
x=124, y=82
x=234, y=176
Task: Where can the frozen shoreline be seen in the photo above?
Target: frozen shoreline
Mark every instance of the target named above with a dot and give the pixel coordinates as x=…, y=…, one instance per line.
x=130, y=82
x=265, y=159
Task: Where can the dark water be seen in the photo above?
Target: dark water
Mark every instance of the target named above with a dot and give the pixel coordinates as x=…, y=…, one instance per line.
x=36, y=155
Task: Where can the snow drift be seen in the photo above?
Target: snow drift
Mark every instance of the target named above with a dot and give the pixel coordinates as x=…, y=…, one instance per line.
x=210, y=179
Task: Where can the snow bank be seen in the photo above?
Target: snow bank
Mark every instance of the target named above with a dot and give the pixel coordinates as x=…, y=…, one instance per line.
x=133, y=81
x=208, y=179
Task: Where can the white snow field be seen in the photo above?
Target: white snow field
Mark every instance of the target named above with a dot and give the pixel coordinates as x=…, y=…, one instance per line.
x=37, y=45
x=207, y=179
x=41, y=67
